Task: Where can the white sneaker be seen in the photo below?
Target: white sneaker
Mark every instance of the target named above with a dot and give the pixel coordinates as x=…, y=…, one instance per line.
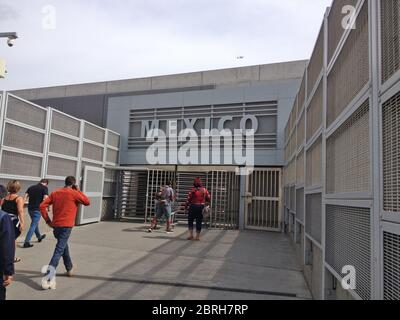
x=49, y=284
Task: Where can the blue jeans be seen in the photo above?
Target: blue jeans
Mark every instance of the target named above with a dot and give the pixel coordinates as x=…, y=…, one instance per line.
x=62, y=235
x=34, y=228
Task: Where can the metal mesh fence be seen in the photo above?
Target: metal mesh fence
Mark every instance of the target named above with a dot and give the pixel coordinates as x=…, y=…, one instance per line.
x=60, y=167
x=391, y=154
x=113, y=139
x=65, y=124
x=300, y=204
x=390, y=35
x=314, y=112
x=300, y=168
x=94, y=133
x=13, y=163
x=314, y=164
x=391, y=266
x=22, y=138
x=92, y=152
x=27, y=113
x=348, y=155
x=335, y=27
x=314, y=68
x=63, y=145
x=350, y=72
x=348, y=242
x=301, y=131
x=314, y=216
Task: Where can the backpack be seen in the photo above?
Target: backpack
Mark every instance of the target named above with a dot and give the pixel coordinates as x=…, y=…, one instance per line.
x=202, y=190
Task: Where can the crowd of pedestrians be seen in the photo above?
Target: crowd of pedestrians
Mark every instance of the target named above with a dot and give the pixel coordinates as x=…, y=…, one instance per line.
x=64, y=203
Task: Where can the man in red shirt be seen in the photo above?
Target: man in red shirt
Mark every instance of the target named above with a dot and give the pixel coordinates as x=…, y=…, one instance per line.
x=65, y=203
x=197, y=200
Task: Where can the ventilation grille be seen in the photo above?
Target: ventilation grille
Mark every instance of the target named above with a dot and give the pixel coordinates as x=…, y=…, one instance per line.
x=26, y=113
x=348, y=156
x=391, y=154
x=22, y=138
x=314, y=164
x=314, y=113
x=63, y=145
x=59, y=167
x=316, y=62
x=348, y=242
x=390, y=33
x=65, y=124
x=94, y=181
x=301, y=131
x=300, y=168
x=350, y=72
x=300, y=204
x=92, y=152
x=21, y=164
x=94, y=133
x=391, y=266
x=314, y=216
x=113, y=139
x=335, y=28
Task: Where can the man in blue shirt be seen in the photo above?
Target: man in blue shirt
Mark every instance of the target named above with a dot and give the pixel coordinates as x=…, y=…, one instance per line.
x=7, y=247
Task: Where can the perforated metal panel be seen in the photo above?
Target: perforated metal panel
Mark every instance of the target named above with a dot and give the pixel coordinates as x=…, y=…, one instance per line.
x=350, y=72
x=314, y=164
x=348, y=242
x=65, y=124
x=94, y=133
x=391, y=154
x=314, y=68
x=63, y=145
x=93, y=179
x=300, y=168
x=301, y=131
x=113, y=139
x=22, y=138
x=390, y=35
x=112, y=156
x=314, y=216
x=348, y=155
x=21, y=164
x=293, y=199
x=300, y=204
x=92, y=152
x=301, y=96
x=335, y=28
x=27, y=113
x=25, y=184
x=109, y=189
x=391, y=266
x=314, y=113
x=60, y=167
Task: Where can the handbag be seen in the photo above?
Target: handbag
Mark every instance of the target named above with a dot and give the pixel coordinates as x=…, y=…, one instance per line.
x=206, y=212
x=16, y=223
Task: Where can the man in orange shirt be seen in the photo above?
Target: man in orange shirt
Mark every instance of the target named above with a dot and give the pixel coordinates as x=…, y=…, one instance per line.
x=65, y=203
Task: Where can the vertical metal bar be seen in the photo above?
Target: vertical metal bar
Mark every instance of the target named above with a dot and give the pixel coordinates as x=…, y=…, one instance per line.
x=46, y=144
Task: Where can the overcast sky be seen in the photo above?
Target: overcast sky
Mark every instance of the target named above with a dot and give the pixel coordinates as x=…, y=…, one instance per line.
x=76, y=41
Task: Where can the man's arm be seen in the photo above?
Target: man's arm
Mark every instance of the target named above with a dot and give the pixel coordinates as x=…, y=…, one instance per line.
x=7, y=243
x=43, y=209
x=82, y=198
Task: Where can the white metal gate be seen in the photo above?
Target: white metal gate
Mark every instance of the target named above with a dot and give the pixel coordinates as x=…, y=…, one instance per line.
x=263, y=200
x=92, y=186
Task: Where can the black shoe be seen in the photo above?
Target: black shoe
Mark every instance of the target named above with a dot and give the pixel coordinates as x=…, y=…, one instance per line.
x=42, y=238
x=28, y=245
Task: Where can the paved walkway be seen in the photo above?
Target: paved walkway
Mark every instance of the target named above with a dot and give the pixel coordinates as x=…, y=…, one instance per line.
x=119, y=260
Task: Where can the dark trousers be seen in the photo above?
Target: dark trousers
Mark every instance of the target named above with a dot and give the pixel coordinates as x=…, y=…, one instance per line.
x=2, y=289
x=195, y=213
x=62, y=235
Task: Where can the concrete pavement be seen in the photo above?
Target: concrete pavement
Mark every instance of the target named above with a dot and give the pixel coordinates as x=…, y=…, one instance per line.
x=120, y=260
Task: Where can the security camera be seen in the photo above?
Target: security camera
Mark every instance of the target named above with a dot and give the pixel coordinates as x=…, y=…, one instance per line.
x=10, y=42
